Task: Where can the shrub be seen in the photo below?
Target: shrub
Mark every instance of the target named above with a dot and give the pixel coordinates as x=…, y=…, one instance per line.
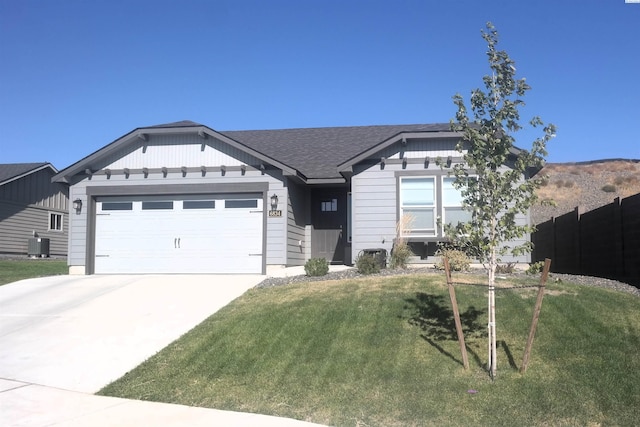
x=609, y=188
x=458, y=260
x=506, y=268
x=400, y=255
x=367, y=264
x=316, y=267
x=535, y=268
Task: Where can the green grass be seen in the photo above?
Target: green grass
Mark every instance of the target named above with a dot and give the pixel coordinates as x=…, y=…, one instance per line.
x=14, y=270
x=382, y=352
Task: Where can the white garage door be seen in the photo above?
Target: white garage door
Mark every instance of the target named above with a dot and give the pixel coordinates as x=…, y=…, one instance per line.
x=204, y=234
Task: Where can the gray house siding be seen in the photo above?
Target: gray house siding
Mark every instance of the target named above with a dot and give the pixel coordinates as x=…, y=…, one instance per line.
x=129, y=168
x=297, y=219
x=361, y=168
x=373, y=210
x=25, y=207
x=376, y=196
x=19, y=222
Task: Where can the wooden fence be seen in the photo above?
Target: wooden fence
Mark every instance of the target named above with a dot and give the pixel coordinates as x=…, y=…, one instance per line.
x=604, y=242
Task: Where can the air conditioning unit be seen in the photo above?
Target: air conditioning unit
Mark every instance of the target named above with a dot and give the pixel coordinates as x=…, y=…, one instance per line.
x=38, y=247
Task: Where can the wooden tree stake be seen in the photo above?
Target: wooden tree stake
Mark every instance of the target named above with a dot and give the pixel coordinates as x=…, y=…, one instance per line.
x=536, y=315
x=456, y=314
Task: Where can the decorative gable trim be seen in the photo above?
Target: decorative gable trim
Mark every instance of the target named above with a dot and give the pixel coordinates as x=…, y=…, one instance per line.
x=144, y=134
x=403, y=137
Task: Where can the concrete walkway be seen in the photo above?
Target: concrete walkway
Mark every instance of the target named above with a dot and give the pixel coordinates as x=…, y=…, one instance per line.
x=63, y=338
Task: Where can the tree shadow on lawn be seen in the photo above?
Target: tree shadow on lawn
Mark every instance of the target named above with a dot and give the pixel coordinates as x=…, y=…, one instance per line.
x=431, y=313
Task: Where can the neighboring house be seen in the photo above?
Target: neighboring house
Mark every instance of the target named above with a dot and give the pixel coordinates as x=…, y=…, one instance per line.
x=31, y=205
x=184, y=198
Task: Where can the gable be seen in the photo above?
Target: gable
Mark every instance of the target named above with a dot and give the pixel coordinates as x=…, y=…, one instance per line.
x=313, y=155
x=318, y=152
x=14, y=171
x=176, y=150
x=184, y=144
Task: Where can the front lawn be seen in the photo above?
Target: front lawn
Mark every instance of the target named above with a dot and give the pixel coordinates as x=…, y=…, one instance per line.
x=383, y=352
x=14, y=270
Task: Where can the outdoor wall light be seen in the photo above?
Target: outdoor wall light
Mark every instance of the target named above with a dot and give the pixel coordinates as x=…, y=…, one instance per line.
x=274, y=202
x=77, y=205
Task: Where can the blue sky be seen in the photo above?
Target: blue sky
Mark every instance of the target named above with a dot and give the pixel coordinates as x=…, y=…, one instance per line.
x=76, y=75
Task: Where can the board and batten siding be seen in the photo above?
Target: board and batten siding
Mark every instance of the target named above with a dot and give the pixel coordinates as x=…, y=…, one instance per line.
x=178, y=150
x=421, y=148
x=163, y=156
x=25, y=206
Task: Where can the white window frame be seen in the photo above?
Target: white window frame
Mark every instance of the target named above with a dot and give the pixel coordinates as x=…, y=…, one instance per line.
x=420, y=232
x=448, y=205
x=58, y=223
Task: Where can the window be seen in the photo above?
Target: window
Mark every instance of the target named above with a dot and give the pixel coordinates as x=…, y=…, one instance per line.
x=117, y=206
x=157, y=205
x=453, y=212
x=235, y=204
x=425, y=200
x=55, y=221
x=418, y=201
x=199, y=204
x=329, y=205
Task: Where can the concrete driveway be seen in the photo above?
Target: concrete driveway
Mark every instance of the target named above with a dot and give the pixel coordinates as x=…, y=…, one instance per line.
x=63, y=338
x=82, y=332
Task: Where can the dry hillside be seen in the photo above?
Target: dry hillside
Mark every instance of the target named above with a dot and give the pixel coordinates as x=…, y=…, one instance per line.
x=587, y=184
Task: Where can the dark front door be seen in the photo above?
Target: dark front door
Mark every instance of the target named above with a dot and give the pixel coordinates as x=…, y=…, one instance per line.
x=329, y=220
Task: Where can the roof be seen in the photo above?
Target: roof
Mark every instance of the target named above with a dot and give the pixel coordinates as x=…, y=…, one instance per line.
x=309, y=153
x=12, y=171
x=317, y=152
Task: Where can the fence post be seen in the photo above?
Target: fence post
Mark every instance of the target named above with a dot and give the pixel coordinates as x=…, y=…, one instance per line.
x=617, y=238
x=536, y=316
x=456, y=314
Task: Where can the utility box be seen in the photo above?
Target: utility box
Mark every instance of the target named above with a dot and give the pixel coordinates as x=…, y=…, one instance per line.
x=38, y=247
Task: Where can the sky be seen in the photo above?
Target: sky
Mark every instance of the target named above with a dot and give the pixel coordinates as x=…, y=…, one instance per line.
x=76, y=75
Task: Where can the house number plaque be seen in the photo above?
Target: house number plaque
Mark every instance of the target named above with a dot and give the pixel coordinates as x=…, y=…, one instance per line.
x=275, y=213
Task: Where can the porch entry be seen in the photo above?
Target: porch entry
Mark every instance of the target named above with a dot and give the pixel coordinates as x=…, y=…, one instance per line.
x=329, y=220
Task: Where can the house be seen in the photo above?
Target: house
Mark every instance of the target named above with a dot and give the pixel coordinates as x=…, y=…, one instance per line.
x=31, y=206
x=185, y=198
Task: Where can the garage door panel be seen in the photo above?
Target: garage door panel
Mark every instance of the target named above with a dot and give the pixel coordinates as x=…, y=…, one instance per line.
x=198, y=239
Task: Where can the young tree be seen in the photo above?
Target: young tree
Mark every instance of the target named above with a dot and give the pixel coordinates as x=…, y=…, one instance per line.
x=493, y=176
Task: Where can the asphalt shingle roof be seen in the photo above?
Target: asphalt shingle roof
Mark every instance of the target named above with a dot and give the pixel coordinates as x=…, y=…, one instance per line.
x=316, y=152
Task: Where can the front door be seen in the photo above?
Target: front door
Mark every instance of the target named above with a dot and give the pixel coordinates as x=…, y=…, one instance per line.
x=329, y=220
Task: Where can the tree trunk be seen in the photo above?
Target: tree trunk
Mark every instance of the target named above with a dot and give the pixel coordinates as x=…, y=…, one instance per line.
x=493, y=359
